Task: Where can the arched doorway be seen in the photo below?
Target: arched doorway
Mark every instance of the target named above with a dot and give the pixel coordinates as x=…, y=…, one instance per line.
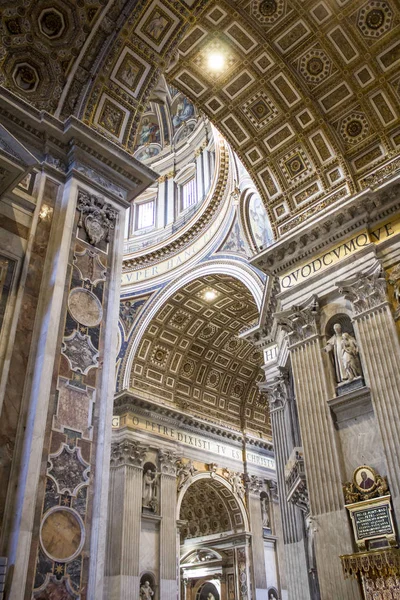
x=214, y=541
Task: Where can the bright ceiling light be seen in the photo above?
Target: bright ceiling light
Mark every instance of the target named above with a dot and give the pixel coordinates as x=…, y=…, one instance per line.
x=216, y=61
x=210, y=295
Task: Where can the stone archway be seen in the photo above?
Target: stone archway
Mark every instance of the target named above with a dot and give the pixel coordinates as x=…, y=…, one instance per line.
x=214, y=540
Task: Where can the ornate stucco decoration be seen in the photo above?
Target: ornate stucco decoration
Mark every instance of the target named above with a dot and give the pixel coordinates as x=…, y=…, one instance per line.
x=394, y=281
x=357, y=490
x=127, y=453
x=366, y=291
x=97, y=217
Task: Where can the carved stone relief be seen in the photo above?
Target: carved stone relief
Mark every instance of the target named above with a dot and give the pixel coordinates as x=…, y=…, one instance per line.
x=97, y=217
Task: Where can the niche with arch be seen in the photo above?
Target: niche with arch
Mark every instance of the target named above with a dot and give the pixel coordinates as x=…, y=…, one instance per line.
x=144, y=592
x=342, y=346
x=150, y=488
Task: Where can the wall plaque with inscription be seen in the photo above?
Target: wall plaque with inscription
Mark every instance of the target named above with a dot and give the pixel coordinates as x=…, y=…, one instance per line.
x=372, y=520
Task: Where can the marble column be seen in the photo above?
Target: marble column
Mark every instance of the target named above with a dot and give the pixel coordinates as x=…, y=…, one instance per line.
x=124, y=520
x=292, y=521
x=169, y=553
x=380, y=353
x=333, y=535
x=254, y=489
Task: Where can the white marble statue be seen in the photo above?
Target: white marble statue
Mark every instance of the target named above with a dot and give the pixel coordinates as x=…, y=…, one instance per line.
x=146, y=593
x=345, y=352
x=265, y=512
x=351, y=359
x=210, y=596
x=184, y=472
x=149, y=492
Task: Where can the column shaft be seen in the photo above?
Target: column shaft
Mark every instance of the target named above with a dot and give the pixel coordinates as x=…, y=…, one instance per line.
x=381, y=359
x=295, y=556
x=257, y=541
x=168, y=537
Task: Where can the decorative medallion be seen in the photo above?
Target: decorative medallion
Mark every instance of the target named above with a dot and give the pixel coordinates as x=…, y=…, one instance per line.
x=159, y=356
x=188, y=368
x=68, y=469
x=97, y=217
x=260, y=110
x=80, y=352
x=208, y=331
x=62, y=534
x=354, y=128
x=375, y=19
x=267, y=12
x=85, y=307
x=315, y=66
x=213, y=379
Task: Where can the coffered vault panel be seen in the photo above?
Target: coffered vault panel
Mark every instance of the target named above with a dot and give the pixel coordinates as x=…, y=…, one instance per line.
x=308, y=94
x=190, y=355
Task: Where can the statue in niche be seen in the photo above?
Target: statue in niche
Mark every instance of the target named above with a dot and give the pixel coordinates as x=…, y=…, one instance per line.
x=346, y=356
x=149, y=493
x=146, y=593
x=265, y=512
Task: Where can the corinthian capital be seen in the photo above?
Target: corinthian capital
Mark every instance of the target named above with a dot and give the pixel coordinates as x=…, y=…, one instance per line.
x=127, y=453
x=168, y=460
x=277, y=391
x=300, y=322
x=366, y=290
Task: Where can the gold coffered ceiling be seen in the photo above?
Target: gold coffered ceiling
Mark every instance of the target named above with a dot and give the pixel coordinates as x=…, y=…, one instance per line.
x=308, y=92
x=190, y=355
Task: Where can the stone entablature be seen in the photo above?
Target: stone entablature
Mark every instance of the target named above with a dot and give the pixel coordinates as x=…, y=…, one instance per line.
x=342, y=221
x=136, y=418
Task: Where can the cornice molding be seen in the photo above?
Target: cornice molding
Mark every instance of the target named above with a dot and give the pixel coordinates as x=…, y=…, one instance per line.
x=320, y=232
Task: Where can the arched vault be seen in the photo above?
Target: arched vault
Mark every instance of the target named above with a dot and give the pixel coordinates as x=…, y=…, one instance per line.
x=306, y=92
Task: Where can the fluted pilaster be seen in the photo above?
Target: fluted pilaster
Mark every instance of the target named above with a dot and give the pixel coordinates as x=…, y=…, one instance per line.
x=124, y=521
x=292, y=526
x=169, y=585
x=255, y=486
x=380, y=350
x=333, y=535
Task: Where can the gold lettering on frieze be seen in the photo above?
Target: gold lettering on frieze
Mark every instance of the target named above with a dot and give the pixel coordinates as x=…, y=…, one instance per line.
x=335, y=255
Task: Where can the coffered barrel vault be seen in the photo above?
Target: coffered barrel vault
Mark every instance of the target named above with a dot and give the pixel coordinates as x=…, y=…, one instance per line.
x=307, y=92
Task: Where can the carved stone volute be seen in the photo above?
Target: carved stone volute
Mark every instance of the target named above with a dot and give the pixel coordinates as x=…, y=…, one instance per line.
x=127, y=453
x=254, y=485
x=300, y=322
x=365, y=291
x=168, y=460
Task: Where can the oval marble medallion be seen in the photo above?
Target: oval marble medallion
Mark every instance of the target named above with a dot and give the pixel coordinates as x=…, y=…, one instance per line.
x=85, y=307
x=61, y=534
